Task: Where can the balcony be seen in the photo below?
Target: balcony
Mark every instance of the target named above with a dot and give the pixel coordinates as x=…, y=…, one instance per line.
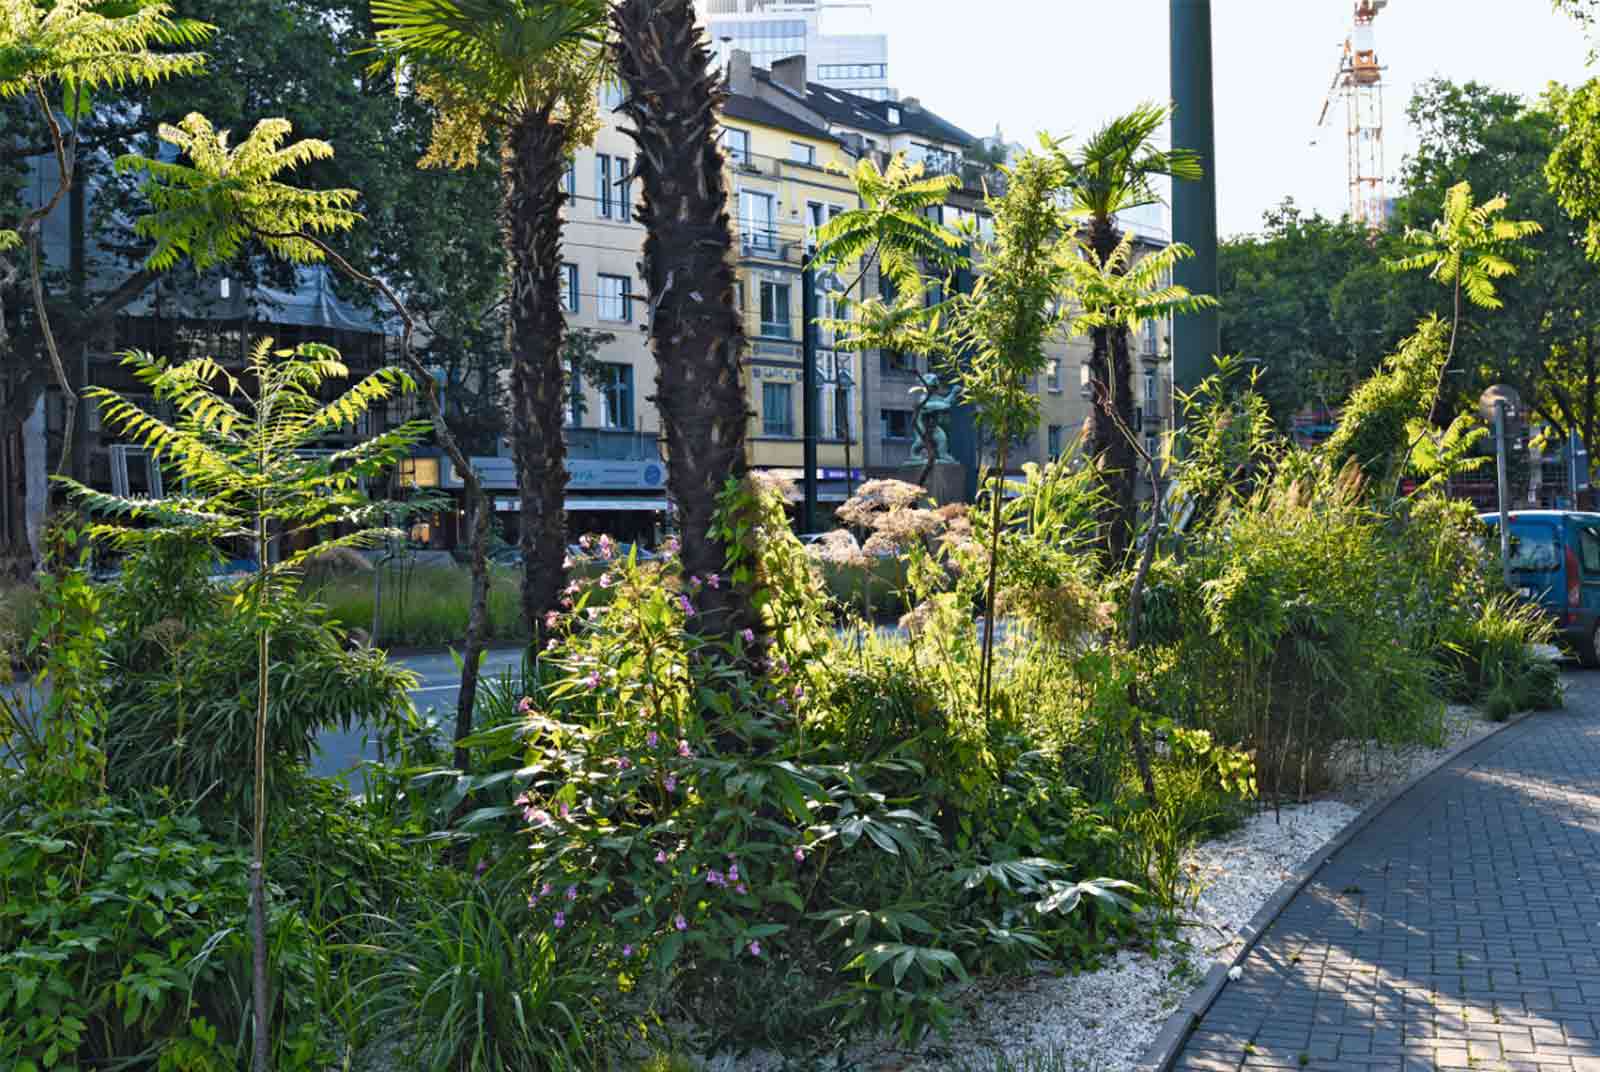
x=611, y=445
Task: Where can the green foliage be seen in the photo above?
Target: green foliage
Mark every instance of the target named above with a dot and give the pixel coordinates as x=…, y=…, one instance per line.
x=1464, y=247
x=475, y=986
x=183, y=715
x=423, y=606
x=84, y=45
x=1117, y=167
x=119, y=941
x=207, y=210
x=493, y=63
x=1373, y=433
x=1489, y=657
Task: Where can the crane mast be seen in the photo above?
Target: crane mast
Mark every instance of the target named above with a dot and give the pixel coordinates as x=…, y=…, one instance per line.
x=1358, y=82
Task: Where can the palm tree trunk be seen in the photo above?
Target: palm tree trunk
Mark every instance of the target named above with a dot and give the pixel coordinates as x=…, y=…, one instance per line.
x=672, y=100
x=534, y=162
x=1110, y=412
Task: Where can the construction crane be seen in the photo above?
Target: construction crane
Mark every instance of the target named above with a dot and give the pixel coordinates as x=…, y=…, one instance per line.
x=1358, y=81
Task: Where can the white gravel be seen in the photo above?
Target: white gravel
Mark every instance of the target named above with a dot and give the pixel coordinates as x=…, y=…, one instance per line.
x=1103, y=1021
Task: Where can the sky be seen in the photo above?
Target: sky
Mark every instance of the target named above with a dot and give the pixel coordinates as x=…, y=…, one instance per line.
x=1067, y=65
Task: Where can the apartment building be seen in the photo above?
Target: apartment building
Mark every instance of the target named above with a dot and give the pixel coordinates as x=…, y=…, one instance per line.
x=772, y=30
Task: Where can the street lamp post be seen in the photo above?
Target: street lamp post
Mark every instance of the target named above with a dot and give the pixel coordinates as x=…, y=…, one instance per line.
x=1196, y=338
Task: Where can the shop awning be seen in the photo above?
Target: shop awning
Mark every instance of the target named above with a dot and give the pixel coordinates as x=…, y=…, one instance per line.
x=620, y=502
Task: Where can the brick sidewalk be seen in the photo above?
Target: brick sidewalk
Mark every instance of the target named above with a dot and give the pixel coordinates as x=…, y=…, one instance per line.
x=1460, y=930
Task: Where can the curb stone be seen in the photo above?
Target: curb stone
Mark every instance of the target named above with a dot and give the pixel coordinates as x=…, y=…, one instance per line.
x=1163, y=1051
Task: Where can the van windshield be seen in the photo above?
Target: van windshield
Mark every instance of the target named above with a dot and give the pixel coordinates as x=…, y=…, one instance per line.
x=1534, y=550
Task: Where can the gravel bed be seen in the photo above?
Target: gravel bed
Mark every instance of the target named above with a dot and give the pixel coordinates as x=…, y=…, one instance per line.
x=1364, y=774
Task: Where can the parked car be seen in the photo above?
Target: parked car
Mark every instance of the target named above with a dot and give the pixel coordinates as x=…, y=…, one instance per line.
x=1555, y=562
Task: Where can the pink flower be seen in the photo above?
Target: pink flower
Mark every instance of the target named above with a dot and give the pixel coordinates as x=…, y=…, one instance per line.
x=572, y=589
x=567, y=563
x=714, y=878
x=688, y=607
x=733, y=873
x=627, y=951
x=799, y=693
x=608, y=547
x=652, y=738
x=749, y=636
x=584, y=542
x=533, y=899
x=741, y=890
x=566, y=604
x=566, y=812
x=525, y=705
x=672, y=545
x=536, y=816
x=552, y=644
x=694, y=582
x=714, y=581
x=551, y=620
x=546, y=890
x=572, y=893
x=560, y=920
x=623, y=763
x=605, y=580
x=799, y=855
x=755, y=949
x=671, y=784
x=593, y=680
x=679, y=922
x=684, y=750
x=661, y=856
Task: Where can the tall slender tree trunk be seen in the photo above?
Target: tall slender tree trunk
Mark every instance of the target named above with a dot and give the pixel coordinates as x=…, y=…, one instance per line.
x=1110, y=412
x=688, y=261
x=533, y=164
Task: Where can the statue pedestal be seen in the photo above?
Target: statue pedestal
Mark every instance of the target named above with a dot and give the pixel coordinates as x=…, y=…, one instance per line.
x=947, y=481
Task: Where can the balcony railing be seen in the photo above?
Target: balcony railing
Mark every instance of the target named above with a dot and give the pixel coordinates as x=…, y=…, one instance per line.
x=612, y=445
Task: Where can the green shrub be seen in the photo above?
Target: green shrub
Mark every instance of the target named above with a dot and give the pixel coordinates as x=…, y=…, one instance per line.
x=423, y=606
x=471, y=984
x=183, y=711
x=121, y=940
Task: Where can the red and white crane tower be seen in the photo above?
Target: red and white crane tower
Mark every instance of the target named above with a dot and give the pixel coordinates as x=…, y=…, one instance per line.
x=1359, y=82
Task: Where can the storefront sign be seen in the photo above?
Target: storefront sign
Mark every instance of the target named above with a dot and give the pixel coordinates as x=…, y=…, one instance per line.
x=500, y=474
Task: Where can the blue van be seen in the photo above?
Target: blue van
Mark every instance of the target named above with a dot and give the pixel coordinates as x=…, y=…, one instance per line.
x=1555, y=562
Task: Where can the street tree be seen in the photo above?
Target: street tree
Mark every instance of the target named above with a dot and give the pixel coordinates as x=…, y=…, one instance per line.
x=672, y=96
x=1115, y=170
x=528, y=70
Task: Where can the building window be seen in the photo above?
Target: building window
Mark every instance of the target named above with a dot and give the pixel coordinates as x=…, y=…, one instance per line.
x=1152, y=445
x=1150, y=342
x=737, y=144
x=777, y=410
x=569, y=182
x=801, y=153
x=611, y=94
x=895, y=423
x=569, y=287
x=618, y=390
x=1054, y=441
x=603, y=192
x=836, y=392
x=576, y=403
x=419, y=472
x=613, y=297
x=1150, y=386
x=896, y=361
x=775, y=310
x=625, y=178
x=755, y=221
x=1055, y=376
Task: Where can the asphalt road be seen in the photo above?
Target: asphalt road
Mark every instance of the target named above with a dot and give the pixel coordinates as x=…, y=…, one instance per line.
x=438, y=686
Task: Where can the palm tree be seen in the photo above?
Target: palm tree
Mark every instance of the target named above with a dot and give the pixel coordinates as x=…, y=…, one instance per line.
x=1114, y=171
x=672, y=98
x=528, y=69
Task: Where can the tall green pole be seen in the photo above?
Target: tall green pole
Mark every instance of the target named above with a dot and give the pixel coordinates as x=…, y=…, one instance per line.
x=1197, y=338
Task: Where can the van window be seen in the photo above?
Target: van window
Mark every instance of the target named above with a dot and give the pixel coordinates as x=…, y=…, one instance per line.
x=1589, y=550
x=1534, y=550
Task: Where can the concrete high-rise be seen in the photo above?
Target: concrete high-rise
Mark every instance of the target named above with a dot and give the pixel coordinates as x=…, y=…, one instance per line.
x=772, y=30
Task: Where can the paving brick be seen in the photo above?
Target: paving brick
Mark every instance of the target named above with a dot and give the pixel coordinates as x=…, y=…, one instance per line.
x=1473, y=942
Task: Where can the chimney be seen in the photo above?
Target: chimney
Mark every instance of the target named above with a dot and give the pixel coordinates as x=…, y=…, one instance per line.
x=790, y=72
x=740, y=81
